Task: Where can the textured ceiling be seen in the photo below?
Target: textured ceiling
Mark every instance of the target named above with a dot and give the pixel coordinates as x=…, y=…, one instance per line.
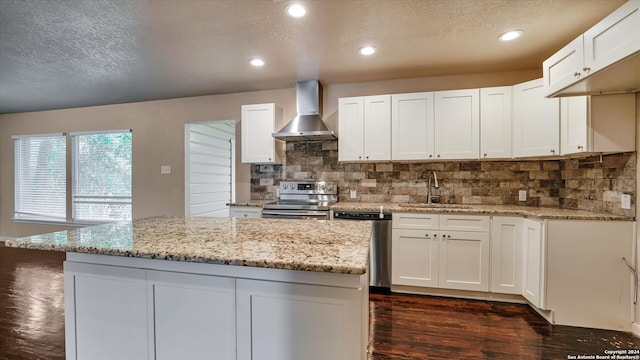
x=70, y=53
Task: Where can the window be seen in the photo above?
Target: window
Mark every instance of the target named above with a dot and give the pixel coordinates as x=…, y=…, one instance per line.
x=101, y=176
x=40, y=177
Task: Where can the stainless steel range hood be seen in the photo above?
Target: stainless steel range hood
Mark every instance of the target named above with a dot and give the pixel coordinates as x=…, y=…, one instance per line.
x=308, y=124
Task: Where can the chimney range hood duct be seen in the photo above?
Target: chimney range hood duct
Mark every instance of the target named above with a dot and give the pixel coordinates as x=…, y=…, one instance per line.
x=308, y=124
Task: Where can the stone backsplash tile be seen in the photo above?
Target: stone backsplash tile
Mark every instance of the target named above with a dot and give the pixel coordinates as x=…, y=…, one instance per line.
x=568, y=183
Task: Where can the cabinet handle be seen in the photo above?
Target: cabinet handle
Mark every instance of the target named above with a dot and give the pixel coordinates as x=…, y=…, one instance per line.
x=269, y=159
x=359, y=157
x=438, y=155
x=576, y=74
x=586, y=69
x=431, y=155
x=580, y=147
x=367, y=158
x=246, y=215
x=485, y=154
x=553, y=151
x=426, y=235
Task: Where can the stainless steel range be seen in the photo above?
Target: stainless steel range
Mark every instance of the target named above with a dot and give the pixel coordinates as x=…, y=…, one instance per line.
x=303, y=199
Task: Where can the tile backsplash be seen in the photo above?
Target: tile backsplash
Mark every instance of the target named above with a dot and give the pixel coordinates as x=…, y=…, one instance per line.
x=577, y=183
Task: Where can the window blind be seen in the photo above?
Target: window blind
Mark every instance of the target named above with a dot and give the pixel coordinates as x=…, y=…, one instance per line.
x=101, y=176
x=40, y=182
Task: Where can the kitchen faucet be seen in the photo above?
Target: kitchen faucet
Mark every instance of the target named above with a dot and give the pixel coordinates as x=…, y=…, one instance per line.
x=432, y=173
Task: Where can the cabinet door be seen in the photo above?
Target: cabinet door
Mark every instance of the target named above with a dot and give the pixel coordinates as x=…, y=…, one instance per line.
x=573, y=125
x=193, y=316
x=106, y=311
x=533, y=263
x=564, y=67
x=506, y=255
x=245, y=212
x=495, y=122
x=351, y=128
x=464, y=260
x=293, y=321
x=457, y=124
x=412, y=124
x=258, y=123
x=414, y=257
x=613, y=38
x=377, y=128
x=536, y=121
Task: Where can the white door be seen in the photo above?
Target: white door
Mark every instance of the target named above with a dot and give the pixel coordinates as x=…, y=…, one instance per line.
x=414, y=257
x=412, y=126
x=506, y=255
x=193, y=316
x=351, y=129
x=495, y=122
x=464, y=260
x=457, y=124
x=106, y=312
x=209, y=168
x=536, y=121
x=377, y=128
x=533, y=257
x=573, y=125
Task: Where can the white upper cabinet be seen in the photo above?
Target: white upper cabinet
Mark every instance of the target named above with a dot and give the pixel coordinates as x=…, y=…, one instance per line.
x=351, y=128
x=259, y=121
x=578, y=67
x=495, y=122
x=412, y=126
x=604, y=123
x=457, y=124
x=536, y=121
x=365, y=126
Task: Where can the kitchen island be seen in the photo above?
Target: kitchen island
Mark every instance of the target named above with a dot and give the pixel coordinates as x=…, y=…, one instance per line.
x=221, y=288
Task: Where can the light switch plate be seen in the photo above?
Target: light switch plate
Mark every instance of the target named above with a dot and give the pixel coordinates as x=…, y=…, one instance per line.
x=522, y=195
x=165, y=169
x=625, y=202
x=353, y=193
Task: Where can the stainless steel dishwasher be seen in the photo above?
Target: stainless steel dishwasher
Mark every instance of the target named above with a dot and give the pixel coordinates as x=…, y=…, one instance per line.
x=380, y=245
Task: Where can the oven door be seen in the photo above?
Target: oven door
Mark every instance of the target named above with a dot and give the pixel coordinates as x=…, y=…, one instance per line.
x=295, y=214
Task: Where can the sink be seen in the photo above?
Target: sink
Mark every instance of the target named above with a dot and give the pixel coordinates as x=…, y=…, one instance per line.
x=436, y=206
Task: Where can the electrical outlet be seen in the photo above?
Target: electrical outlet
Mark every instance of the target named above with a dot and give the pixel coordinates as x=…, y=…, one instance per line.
x=353, y=194
x=625, y=202
x=165, y=169
x=522, y=195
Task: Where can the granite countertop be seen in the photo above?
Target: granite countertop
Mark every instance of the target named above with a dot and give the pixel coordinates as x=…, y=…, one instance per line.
x=528, y=211
x=250, y=203
x=311, y=245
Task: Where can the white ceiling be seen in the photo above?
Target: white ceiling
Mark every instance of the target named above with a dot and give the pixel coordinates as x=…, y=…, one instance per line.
x=73, y=53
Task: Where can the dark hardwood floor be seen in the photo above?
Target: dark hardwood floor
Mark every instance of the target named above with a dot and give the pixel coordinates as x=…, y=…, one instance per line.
x=401, y=326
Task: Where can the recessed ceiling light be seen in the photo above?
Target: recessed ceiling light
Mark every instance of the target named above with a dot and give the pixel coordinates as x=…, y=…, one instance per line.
x=256, y=62
x=510, y=35
x=367, y=50
x=296, y=10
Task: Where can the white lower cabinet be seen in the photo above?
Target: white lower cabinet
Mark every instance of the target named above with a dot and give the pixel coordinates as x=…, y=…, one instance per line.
x=506, y=255
x=293, y=321
x=182, y=332
x=533, y=277
x=440, y=256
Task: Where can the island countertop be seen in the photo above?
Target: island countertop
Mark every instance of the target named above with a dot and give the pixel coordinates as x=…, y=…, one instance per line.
x=310, y=245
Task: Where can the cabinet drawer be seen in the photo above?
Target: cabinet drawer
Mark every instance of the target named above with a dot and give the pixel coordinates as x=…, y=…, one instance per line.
x=415, y=221
x=464, y=223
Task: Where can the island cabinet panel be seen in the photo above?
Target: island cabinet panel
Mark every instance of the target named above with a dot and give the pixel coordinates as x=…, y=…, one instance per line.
x=288, y=321
x=193, y=316
x=106, y=312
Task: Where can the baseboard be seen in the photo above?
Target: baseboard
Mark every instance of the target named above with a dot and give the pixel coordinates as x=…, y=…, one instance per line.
x=635, y=329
